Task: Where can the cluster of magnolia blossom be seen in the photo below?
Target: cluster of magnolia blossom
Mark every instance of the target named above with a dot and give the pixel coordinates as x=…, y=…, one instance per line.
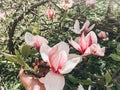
x=66, y=4
x=59, y=59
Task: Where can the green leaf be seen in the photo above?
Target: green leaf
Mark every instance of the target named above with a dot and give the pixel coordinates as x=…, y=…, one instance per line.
x=86, y=82
x=36, y=28
x=11, y=58
x=21, y=61
x=25, y=51
x=16, y=86
x=108, y=78
x=115, y=57
x=73, y=79
x=118, y=49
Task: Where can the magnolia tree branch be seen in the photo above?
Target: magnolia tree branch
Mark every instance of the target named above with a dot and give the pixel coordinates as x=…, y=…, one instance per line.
x=12, y=26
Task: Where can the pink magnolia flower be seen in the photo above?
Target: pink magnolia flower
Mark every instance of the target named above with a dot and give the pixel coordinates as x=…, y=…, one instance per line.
x=30, y=82
x=90, y=3
x=103, y=35
x=86, y=27
x=35, y=41
x=65, y=4
x=84, y=44
x=60, y=61
x=50, y=13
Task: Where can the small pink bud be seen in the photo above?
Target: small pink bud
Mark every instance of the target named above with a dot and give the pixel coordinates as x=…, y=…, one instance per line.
x=50, y=13
x=102, y=35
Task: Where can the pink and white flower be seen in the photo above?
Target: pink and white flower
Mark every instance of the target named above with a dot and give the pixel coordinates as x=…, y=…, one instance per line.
x=90, y=3
x=65, y=4
x=60, y=61
x=35, y=41
x=50, y=13
x=86, y=27
x=85, y=44
x=30, y=82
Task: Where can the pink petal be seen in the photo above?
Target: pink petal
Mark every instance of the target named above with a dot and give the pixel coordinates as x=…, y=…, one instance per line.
x=63, y=46
x=91, y=27
x=87, y=52
x=76, y=27
x=41, y=39
x=30, y=82
x=96, y=50
x=58, y=60
x=44, y=52
x=74, y=44
x=29, y=38
x=83, y=43
x=85, y=26
x=54, y=81
x=71, y=63
x=80, y=87
x=93, y=37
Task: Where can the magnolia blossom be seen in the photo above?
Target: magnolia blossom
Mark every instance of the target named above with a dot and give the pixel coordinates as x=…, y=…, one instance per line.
x=85, y=44
x=2, y=15
x=103, y=35
x=35, y=41
x=50, y=13
x=60, y=61
x=80, y=87
x=30, y=82
x=86, y=27
x=90, y=3
x=65, y=4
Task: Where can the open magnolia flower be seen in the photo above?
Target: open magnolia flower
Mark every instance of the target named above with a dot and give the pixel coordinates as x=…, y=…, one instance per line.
x=85, y=44
x=65, y=4
x=90, y=3
x=30, y=82
x=86, y=27
x=60, y=61
x=50, y=13
x=35, y=41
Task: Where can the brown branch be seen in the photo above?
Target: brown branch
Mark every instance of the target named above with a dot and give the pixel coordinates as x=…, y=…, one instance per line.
x=12, y=25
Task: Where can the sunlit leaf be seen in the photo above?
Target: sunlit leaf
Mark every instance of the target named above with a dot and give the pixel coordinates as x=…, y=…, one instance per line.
x=11, y=58
x=73, y=79
x=25, y=50
x=86, y=82
x=115, y=57
x=108, y=78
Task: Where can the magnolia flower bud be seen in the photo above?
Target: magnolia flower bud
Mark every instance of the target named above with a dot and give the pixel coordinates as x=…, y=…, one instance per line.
x=50, y=13
x=103, y=35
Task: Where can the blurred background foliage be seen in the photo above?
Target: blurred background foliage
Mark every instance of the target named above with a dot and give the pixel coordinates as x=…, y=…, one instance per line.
x=21, y=16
